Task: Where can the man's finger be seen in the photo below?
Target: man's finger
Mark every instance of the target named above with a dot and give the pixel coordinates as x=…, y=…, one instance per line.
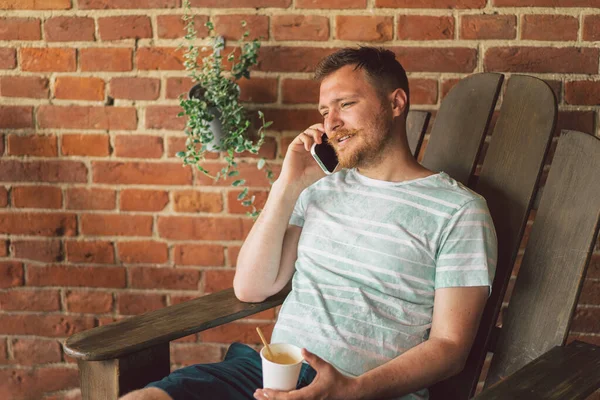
x=315, y=361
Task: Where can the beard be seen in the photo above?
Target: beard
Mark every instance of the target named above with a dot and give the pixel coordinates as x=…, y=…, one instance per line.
x=367, y=144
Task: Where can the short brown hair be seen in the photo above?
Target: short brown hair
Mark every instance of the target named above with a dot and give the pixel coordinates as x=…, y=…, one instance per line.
x=384, y=72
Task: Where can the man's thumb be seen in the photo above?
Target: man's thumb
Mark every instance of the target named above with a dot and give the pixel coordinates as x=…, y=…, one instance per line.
x=311, y=358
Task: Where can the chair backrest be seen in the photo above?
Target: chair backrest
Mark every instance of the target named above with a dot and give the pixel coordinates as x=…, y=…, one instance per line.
x=555, y=260
x=508, y=180
x=416, y=126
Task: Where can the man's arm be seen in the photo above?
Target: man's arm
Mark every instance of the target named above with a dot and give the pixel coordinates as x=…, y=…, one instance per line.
x=267, y=257
x=456, y=315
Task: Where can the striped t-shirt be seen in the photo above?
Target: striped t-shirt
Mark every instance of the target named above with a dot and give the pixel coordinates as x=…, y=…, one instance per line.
x=370, y=256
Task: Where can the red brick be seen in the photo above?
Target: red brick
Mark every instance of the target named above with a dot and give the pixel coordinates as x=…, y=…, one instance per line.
x=143, y=200
x=178, y=86
x=364, y=28
x=297, y=91
x=42, y=171
x=139, y=146
x=38, y=224
x=135, y=88
x=423, y=91
x=232, y=254
x=582, y=121
x=127, y=27
x=11, y=274
x=292, y=119
x=300, y=27
x=147, y=252
x=20, y=29
x=37, y=197
x=106, y=59
x=241, y=3
x=46, y=325
x=586, y=320
x=116, y=225
x=431, y=3
x=230, y=26
x=76, y=88
x=173, y=26
x=542, y=59
x=591, y=27
x=3, y=203
x=139, y=303
x=159, y=58
x=30, y=300
x=95, y=145
x=456, y=59
x=217, y=280
x=331, y=4
x=488, y=27
x=141, y=173
x=127, y=4
x=69, y=29
x=82, y=117
x=194, y=201
x=16, y=117
x=90, y=199
x=258, y=90
x=235, y=206
x=290, y=59
x=590, y=293
x=63, y=275
x=546, y=3
x=24, y=86
x=237, y=332
x=48, y=59
x=189, y=354
x=38, y=250
x=425, y=27
x=164, y=117
x=8, y=58
x=89, y=301
x=24, y=383
x=583, y=92
x=34, y=351
x=252, y=175
x=35, y=5
x=203, y=228
x=206, y=255
x=268, y=150
x=549, y=27
x=164, y=278
x=32, y=145
x=95, y=252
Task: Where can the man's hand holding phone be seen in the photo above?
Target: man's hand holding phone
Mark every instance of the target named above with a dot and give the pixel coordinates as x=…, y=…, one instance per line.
x=299, y=166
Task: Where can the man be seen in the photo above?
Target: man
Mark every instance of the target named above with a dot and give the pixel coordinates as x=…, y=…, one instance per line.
x=391, y=264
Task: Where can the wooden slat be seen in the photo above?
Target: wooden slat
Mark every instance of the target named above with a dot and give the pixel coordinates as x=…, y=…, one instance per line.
x=156, y=327
x=571, y=372
x=416, y=125
x=508, y=178
x=555, y=261
x=99, y=380
x=461, y=124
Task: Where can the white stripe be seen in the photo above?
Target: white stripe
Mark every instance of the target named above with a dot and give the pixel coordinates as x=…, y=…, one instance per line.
x=369, y=249
x=475, y=223
x=395, y=305
x=385, y=197
x=344, y=333
x=461, y=255
x=362, y=231
x=476, y=211
x=426, y=197
x=367, y=266
x=462, y=268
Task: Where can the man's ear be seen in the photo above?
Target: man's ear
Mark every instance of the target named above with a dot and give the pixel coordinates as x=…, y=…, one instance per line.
x=399, y=102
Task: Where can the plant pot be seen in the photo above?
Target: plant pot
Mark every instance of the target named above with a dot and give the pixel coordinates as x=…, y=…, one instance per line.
x=196, y=92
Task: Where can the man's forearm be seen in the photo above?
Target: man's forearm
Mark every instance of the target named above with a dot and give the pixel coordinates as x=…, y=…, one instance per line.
x=260, y=256
x=420, y=367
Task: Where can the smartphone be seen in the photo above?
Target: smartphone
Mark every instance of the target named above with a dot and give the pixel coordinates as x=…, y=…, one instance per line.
x=324, y=155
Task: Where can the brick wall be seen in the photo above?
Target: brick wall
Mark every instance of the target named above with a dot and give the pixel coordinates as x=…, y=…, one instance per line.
x=99, y=221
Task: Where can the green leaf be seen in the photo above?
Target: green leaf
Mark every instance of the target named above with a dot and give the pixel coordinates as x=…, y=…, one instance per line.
x=180, y=154
x=243, y=194
x=238, y=182
x=268, y=124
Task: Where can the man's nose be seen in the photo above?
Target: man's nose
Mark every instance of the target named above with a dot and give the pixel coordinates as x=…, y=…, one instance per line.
x=333, y=122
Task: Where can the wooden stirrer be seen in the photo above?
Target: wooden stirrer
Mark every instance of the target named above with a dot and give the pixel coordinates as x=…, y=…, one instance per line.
x=265, y=343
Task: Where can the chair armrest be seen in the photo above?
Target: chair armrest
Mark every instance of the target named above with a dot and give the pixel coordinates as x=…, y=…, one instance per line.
x=565, y=372
x=147, y=330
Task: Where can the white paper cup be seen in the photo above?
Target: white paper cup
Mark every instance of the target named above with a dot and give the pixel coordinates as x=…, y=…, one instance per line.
x=281, y=376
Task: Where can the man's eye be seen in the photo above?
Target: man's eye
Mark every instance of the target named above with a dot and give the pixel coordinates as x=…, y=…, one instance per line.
x=347, y=104
x=324, y=114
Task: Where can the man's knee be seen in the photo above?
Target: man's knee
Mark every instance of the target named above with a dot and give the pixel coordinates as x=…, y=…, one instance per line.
x=147, y=394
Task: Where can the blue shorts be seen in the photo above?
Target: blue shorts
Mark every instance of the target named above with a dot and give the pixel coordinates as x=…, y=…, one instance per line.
x=236, y=377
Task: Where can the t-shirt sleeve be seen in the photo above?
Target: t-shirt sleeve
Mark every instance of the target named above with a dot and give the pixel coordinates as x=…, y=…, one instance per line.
x=468, y=248
x=297, y=217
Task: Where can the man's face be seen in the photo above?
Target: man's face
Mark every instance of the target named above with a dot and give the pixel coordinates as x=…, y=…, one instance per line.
x=357, y=124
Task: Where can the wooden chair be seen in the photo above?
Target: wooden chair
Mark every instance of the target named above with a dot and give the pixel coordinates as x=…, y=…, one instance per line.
x=126, y=355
